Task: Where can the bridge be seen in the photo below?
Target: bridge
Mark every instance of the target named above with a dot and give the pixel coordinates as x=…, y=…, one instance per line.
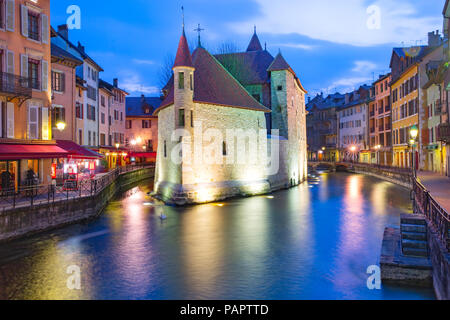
x=330, y=166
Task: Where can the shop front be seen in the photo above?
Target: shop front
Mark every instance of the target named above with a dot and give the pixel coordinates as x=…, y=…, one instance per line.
x=24, y=165
x=80, y=165
x=141, y=157
x=113, y=157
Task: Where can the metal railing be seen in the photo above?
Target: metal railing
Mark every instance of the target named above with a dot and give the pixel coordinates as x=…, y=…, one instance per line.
x=15, y=85
x=426, y=205
x=29, y=196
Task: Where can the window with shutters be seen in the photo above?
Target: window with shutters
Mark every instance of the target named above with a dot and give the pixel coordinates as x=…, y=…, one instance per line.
x=79, y=110
x=128, y=124
x=102, y=139
x=2, y=14
x=33, y=73
x=103, y=118
x=33, y=118
x=58, y=115
x=90, y=112
x=92, y=93
x=33, y=25
x=103, y=101
x=58, y=81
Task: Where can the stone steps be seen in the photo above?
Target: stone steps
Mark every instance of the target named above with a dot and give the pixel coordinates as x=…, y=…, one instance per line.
x=413, y=228
x=414, y=236
x=414, y=244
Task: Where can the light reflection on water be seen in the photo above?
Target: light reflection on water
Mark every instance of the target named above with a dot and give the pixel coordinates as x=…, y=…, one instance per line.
x=302, y=243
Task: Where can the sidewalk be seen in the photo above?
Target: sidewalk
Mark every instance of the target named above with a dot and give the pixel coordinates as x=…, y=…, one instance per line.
x=438, y=186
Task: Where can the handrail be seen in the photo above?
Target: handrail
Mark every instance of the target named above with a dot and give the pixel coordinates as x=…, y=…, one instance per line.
x=26, y=196
x=426, y=205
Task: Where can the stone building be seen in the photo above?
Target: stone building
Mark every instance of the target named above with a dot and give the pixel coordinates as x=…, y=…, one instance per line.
x=212, y=126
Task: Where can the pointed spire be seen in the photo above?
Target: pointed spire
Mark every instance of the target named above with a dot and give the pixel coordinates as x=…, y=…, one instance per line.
x=279, y=63
x=255, y=44
x=183, y=58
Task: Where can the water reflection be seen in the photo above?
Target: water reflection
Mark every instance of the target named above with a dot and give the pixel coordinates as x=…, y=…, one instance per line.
x=302, y=243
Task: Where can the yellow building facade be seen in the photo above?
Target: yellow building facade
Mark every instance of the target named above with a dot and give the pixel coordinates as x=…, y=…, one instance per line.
x=405, y=104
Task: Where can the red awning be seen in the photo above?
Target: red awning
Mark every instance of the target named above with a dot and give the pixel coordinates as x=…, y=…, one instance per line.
x=142, y=154
x=76, y=151
x=30, y=151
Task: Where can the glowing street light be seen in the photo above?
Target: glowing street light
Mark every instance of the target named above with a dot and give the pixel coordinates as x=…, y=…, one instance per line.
x=133, y=142
x=117, y=145
x=414, y=132
x=61, y=125
x=139, y=140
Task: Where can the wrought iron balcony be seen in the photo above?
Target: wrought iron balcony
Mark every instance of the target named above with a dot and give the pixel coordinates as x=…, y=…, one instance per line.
x=443, y=132
x=14, y=86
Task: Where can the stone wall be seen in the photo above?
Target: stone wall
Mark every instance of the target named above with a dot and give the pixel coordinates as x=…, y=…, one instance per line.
x=26, y=221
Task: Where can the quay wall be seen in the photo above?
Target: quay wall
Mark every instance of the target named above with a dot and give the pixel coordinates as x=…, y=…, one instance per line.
x=26, y=221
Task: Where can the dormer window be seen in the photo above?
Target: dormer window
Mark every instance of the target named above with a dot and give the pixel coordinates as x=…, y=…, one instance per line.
x=147, y=111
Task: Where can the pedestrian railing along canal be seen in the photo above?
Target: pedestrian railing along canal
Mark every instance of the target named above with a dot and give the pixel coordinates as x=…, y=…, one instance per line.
x=28, y=196
x=426, y=205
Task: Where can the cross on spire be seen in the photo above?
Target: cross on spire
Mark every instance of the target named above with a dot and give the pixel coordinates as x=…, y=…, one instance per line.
x=199, y=30
x=182, y=13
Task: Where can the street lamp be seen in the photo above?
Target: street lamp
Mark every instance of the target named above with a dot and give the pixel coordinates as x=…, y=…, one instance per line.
x=377, y=148
x=61, y=125
x=353, y=150
x=117, y=145
x=413, y=132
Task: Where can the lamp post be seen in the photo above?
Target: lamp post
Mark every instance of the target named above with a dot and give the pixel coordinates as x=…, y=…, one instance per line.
x=61, y=126
x=353, y=150
x=377, y=148
x=413, y=132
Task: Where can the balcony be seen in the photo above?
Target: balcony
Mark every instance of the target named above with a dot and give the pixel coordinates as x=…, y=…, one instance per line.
x=443, y=133
x=381, y=128
x=14, y=86
x=372, y=113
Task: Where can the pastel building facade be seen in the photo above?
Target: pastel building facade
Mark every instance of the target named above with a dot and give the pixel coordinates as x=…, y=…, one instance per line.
x=432, y=73
x=141, y=134
x=380, y=122
x=64, y=92
x=205, y=101
x=353, y=126
x=25, y=93
x=88, y=72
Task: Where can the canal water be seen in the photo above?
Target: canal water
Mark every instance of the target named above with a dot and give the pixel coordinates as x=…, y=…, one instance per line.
x=315, y=241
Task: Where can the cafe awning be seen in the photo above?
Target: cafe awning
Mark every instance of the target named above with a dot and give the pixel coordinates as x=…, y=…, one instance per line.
x=30, y=151
x=76, y=151
x=142, y=154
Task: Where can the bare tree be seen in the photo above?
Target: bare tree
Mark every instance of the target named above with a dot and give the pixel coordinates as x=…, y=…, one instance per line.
x=166, y=72
x=228, y=47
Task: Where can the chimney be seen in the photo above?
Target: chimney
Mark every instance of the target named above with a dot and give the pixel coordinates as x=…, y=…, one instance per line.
x=80, y=47
x=63, y=30
x=434, y=39
x=347, y=98
x=116, y=82
x=142, y=98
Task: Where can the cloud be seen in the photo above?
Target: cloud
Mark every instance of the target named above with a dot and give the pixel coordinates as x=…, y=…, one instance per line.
x=364, y=66
x=355, y=22
x=301, y=46
x=143, y=61
x=133, y=84
x=361, y=73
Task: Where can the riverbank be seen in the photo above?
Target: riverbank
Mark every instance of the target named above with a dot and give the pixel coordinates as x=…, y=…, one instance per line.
x=24, y=221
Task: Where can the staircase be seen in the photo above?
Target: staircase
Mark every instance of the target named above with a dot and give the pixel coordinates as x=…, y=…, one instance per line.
x=414, y=236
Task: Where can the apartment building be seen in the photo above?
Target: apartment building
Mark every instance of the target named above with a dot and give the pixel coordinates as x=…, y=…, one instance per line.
x=380, y=122
x=25, y=93
x=88, y=72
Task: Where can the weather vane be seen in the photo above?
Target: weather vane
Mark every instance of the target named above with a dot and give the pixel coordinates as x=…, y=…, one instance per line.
x=199, y=30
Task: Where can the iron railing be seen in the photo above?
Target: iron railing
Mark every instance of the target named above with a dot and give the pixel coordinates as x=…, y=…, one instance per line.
x=14, y=85
x=29, y=196
x=426, y=205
